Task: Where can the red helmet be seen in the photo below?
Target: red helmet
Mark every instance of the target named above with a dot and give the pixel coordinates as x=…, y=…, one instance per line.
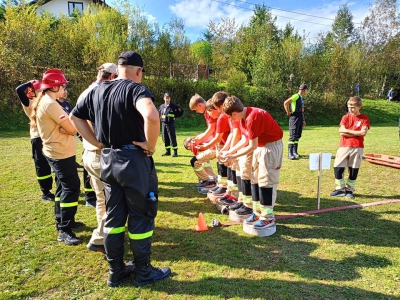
x=35, y=84
x=53, y=77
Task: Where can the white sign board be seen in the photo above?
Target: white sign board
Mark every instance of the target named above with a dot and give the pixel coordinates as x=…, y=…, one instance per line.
x=326, y=161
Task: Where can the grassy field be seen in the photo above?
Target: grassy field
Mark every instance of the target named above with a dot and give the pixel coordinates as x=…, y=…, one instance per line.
x=349, y=254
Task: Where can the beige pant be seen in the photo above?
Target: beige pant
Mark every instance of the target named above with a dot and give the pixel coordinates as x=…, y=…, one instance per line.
x=244, y=166
x=267, y=163
x=348, y=157
x=202, y=165
x=91, y=162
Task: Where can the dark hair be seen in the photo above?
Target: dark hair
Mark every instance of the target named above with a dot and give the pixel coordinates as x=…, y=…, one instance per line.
x=105, y=75
x=232, y=104
x=218, y=98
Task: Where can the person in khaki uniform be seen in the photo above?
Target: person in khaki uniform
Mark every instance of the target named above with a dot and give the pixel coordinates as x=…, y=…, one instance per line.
x=27, y=92
x=91, y=162
x=59, y=148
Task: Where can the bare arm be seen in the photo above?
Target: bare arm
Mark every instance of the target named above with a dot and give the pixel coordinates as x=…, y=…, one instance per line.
x=202, y=136
x=347, y=132
x=286, y=105
x=68, y=127
x=146, y=108
x=84, y=129
x=251, y=146
x=211, y=143
x=241, y=144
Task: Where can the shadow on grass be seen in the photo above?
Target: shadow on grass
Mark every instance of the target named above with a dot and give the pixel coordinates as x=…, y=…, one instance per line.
x=242, y=288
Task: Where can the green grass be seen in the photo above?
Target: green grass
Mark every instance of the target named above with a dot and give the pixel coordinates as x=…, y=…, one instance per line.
x=349, y=254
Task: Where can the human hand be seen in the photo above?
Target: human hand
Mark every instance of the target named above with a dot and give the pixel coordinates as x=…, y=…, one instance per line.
x=201, y=147
x=146, y=149
x=62, y=130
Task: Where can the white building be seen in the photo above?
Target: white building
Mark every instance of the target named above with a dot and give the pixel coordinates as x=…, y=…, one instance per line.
x=57, y=7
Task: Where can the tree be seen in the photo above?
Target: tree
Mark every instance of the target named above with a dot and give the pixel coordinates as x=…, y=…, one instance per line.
x=343, y=28
x=261, y=34
x=379, y=32
x=224, y=35
x=202, y=51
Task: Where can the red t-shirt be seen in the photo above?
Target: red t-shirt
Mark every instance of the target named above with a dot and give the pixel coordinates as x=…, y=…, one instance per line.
x=234, y=124
x=193, y=149
x=260, y=124
x=353, y=122
x=223, y=127
x=209, y=120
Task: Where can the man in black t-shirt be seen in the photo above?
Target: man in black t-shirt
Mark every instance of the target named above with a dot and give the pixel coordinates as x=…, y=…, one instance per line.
x=126, y=129
x=90, y=195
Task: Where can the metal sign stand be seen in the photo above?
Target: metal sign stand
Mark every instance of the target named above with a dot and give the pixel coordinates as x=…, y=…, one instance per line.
x=320, y=161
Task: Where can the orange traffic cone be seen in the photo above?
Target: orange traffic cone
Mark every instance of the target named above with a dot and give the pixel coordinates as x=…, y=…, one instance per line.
x=201, y=223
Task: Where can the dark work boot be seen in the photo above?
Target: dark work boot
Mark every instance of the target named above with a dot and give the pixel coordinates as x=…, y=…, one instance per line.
x=146, y=273
x=175, y=153
x=295, y=154
x=118, y=273
x=167, y=153
x=290, y=152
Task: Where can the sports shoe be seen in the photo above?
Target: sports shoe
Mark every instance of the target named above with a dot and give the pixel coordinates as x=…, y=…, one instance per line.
x=96, y=248
x=68, y=237
x=244, y=210
x=349, y=195
x=219, y=191
x=206, y=184
x=235, y=205
x=338, y=193
x=253, y=218
x=263, y=224
x=90, y=204
x=213, y=189
x=167, y=153
x=48, y=197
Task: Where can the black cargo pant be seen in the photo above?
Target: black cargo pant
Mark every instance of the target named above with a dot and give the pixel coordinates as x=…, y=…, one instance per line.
x=43, y=170
x=295, y=127
x=169, y=135
x=67, y=193
x=129, y=176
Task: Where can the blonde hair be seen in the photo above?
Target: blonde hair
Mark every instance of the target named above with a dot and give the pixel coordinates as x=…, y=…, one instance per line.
x=196, y=99
x=35, y=104
x=187, y=142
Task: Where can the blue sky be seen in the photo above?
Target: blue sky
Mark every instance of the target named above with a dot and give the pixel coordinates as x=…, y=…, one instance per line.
x=309, y=16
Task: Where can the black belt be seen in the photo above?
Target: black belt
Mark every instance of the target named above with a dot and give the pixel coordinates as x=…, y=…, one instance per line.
x=125, y=147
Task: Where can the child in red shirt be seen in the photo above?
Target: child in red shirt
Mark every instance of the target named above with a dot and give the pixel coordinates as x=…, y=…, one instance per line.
x=264, y=137
x=353, y=127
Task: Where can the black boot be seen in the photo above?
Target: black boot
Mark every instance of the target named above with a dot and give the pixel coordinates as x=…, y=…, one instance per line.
x=295, y=154
x=290, y=152
x=118, y=273
x=146, y=273
x=167, y=153
x=175, y=153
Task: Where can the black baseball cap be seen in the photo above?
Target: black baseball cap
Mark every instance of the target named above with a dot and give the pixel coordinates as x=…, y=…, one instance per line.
x=303, y=87
x=166, y=95
x=131, y=59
